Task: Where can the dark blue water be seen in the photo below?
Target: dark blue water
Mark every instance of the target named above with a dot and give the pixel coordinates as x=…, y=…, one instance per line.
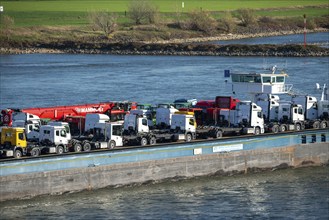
x=37, y=80
x=321, y=39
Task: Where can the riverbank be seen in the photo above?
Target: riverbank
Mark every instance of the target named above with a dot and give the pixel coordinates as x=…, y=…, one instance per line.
x=172, y=49
x=184, y=47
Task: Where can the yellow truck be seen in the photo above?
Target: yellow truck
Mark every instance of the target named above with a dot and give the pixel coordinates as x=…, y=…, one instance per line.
x=13, y=143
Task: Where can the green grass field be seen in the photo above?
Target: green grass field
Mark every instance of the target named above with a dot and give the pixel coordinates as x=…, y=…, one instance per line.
x=73, y=12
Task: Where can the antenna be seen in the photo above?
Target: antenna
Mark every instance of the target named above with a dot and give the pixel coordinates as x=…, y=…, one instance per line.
x=274, y=69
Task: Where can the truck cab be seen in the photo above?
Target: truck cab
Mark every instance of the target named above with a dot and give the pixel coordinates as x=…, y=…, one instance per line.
x=55, y=138
x=107, y=135
x=136, y=123
x=13, y=142
x=291, y=113
x=30, y=122
x=184, y=126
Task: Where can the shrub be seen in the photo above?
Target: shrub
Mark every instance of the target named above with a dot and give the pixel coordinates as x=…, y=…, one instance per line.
x=247, y=17
x=202, y=21
x=142, y=11
x=227, y=23
x=103, y=21
x=7, y=25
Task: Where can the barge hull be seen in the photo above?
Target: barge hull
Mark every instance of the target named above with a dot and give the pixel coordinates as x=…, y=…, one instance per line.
x=33, y=184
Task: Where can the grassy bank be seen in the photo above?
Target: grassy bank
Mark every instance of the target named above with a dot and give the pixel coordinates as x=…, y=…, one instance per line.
x=40, y=22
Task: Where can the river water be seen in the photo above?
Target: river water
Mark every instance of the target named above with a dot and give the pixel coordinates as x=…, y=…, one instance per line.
x=321, y=39
x=38, y=80
x=284, y=194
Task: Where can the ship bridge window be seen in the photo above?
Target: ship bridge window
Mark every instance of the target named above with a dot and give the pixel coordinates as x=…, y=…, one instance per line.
x=246, y=78
x=280, y=79
x=266, y=79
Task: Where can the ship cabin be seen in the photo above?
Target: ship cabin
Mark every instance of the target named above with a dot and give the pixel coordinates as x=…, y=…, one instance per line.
x=260, y=83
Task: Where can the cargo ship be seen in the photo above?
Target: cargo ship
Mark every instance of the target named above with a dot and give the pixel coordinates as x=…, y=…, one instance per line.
x=209, y=137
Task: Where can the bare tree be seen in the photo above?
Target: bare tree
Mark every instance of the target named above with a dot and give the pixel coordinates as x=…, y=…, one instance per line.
x=142, y=11
x=103, y=21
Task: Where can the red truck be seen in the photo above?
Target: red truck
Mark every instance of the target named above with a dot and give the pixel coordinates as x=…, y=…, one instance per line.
x=74, y=114
x=206, y=112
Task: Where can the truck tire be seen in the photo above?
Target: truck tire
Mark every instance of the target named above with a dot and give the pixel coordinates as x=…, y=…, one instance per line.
x=257, y=131
x=218, y=134
x=35, y=152
x=283, y=128
x=275, y=129
x=143, y=141
x=316, y=125
x=111, y=144
x=86, y=146
x=18, y=154
x=77, y=147
x=298, y=127
x=59, y=149
x=323, y=124
x=188, y=138
x=153, y=141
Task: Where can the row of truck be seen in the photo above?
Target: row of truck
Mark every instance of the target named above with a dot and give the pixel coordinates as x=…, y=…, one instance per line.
x=29, y=135
x=76, y=128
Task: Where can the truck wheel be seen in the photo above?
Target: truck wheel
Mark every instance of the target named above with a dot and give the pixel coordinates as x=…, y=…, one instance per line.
x=316, y=125
x=77, y=147
x=298, y=127
x=18, y=154
x=86, y=147
x=257, y=131
x=59, y=150
x=143, y=141
x=275, y=129
x=188, y=138
x=323, y=124
x=35, y=152
x=218, y=134
x=153, y=141
x=111, y=144
x=283, y=128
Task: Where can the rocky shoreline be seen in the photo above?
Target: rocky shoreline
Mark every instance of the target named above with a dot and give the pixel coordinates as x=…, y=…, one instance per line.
x=174, y=49
x=185, y=47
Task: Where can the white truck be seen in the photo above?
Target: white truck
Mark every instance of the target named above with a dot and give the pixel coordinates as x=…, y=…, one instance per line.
x=54, y=138
x=30, y=122
x=106, y=135
x=246, y=118
x=93, y=119
x=281, y=116
x=138, y=131
x=316, y=112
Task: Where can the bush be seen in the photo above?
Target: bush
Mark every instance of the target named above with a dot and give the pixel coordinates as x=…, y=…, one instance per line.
x=202, y=21
x=247, y=17
x=7, y=25
x=142, y=11
x=103, y=21
x=227, y=23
